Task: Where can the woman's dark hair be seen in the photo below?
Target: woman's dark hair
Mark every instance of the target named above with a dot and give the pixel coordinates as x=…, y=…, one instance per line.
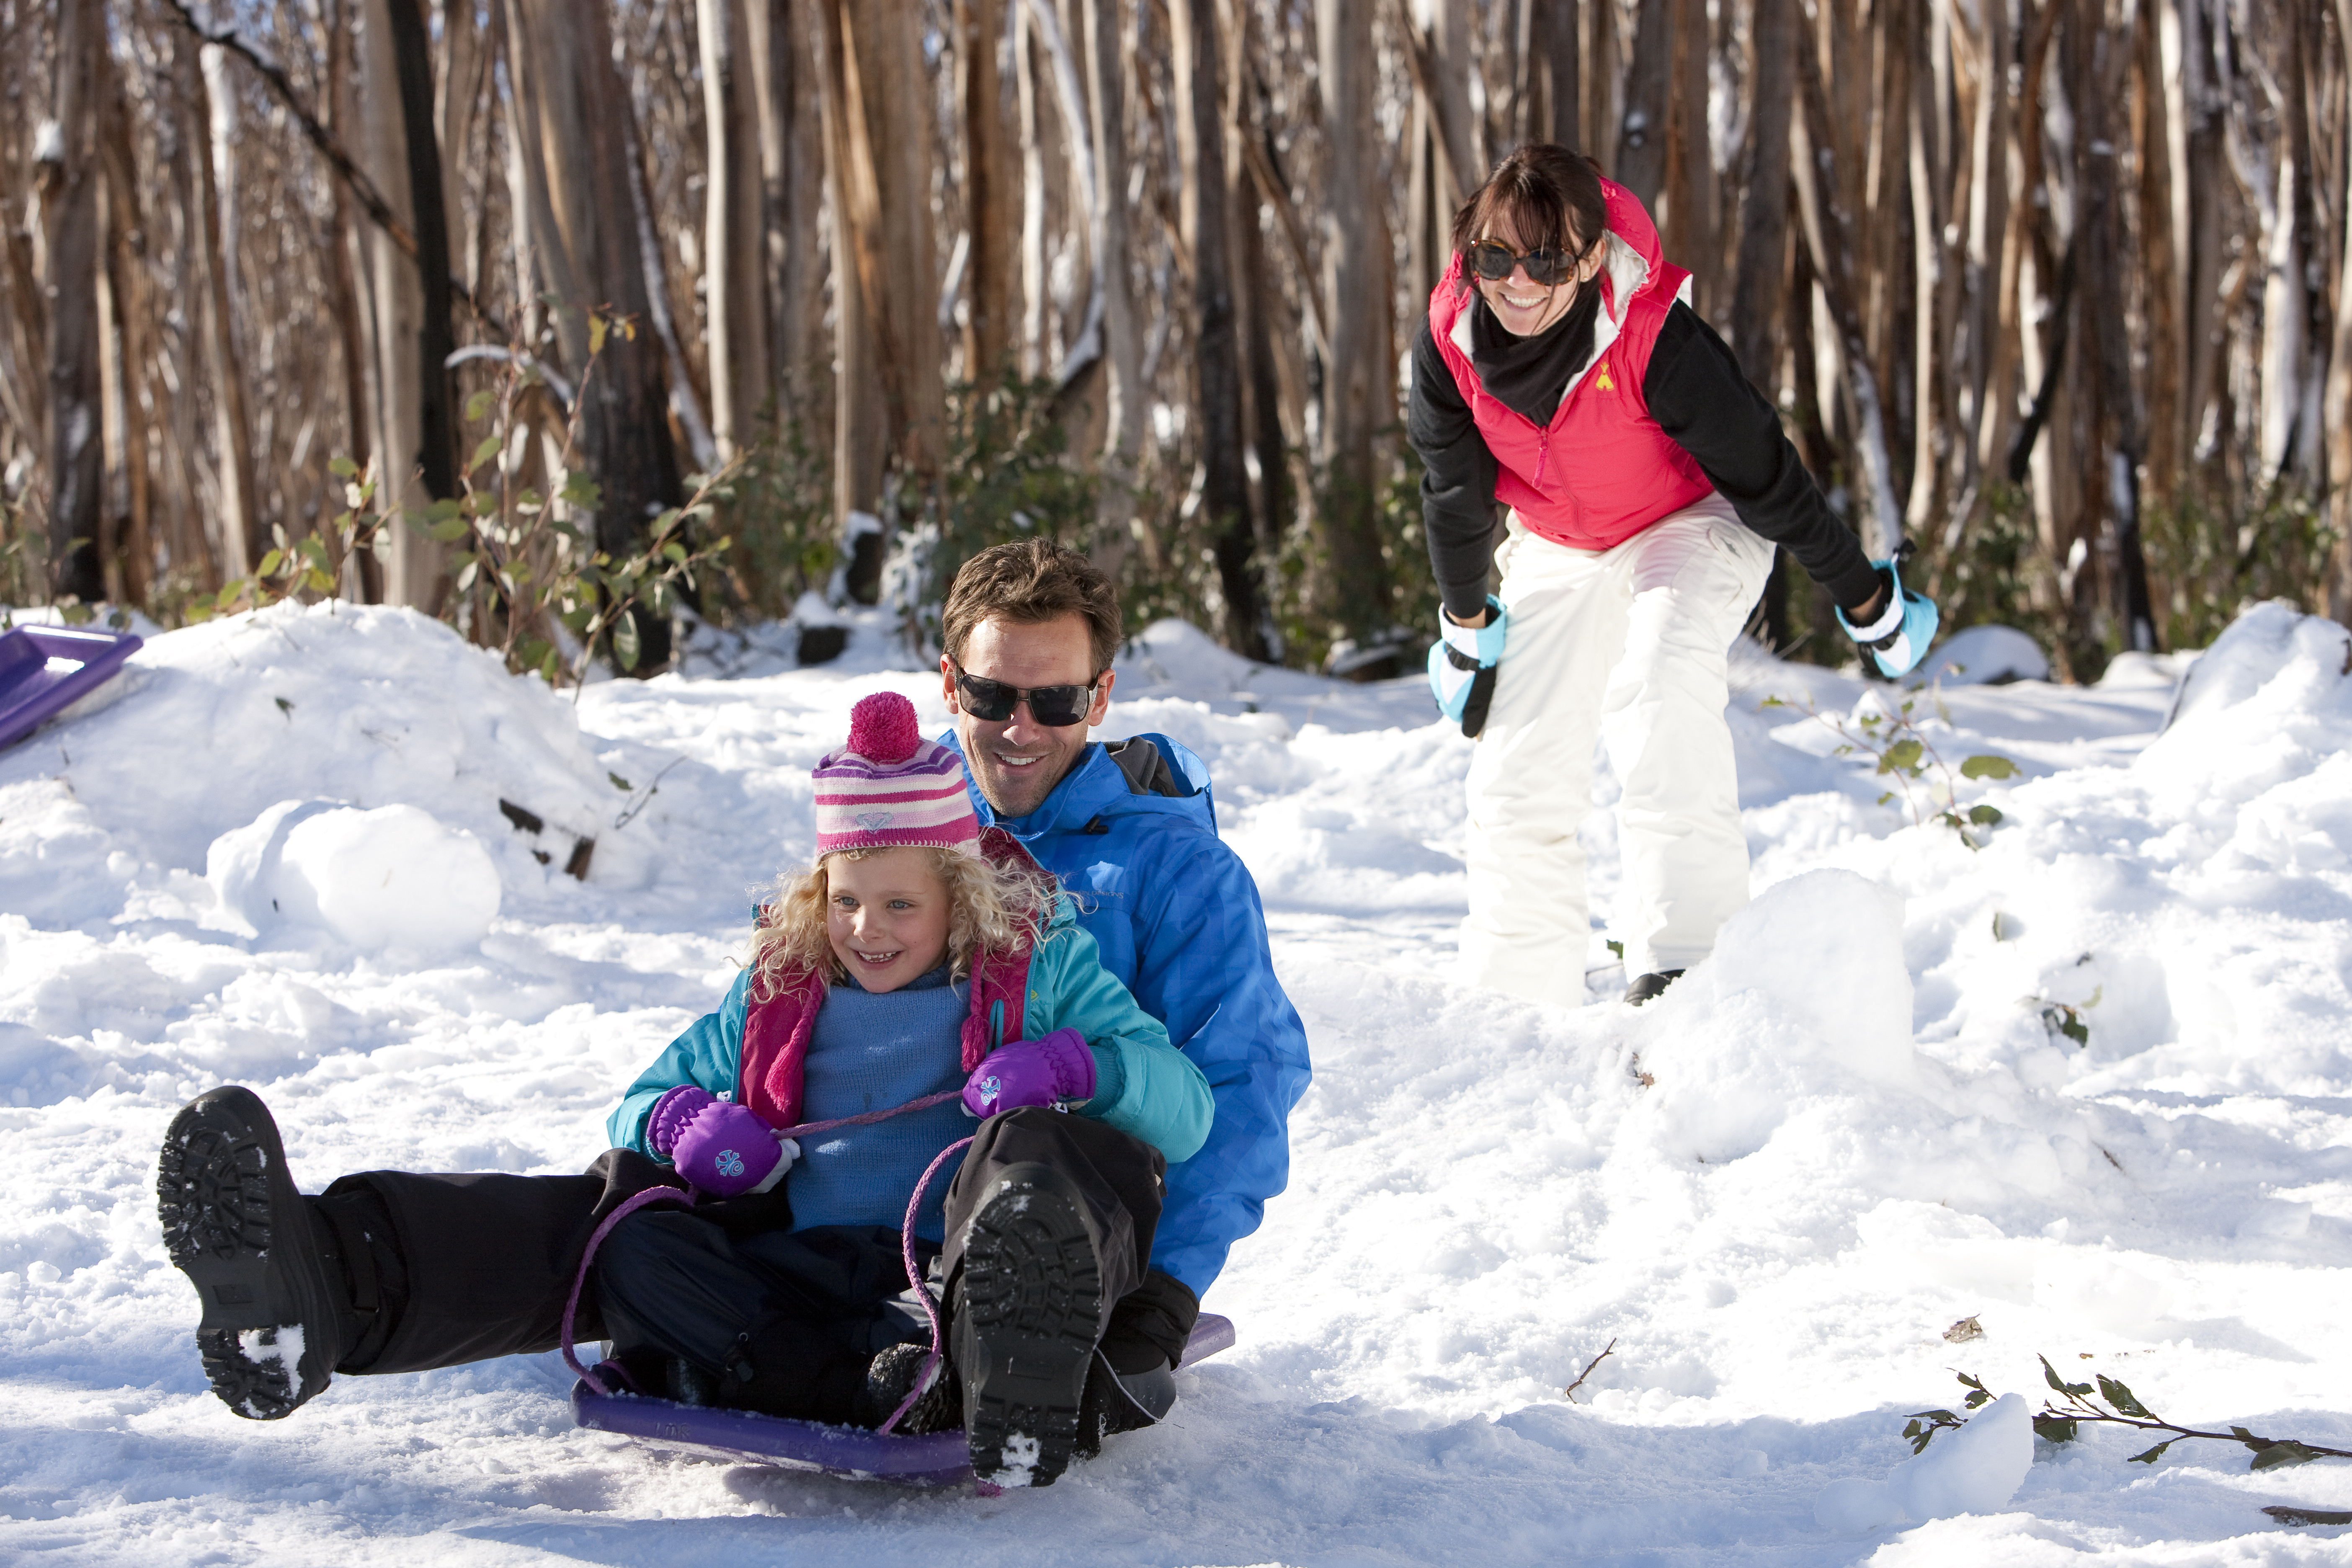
x=1548, y=193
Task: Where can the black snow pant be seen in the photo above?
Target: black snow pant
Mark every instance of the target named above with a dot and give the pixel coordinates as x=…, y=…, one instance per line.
x=445, y=1269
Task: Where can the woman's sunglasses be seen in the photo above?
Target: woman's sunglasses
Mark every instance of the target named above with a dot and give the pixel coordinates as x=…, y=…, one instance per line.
x=1545, y=267
x=1055, y=707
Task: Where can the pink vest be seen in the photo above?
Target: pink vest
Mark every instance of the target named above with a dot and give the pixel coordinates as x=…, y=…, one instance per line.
x=777, y=1029
x=1601, y=471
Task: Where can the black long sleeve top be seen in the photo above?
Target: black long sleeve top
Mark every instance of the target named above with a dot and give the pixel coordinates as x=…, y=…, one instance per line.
x=1696, y=394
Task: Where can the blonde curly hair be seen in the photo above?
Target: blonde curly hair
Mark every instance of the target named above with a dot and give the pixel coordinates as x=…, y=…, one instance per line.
x=992, y=907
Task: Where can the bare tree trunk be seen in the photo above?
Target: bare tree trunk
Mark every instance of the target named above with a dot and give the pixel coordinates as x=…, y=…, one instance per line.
x=1641, y=134
x=1122, y=340
x=2166, y=342
x=363, y=578
x=1828, y=236
x=1224, y=493
x=792, y=161
x=1360, y=398
x=1689, y=237
x=990, y=261
x=127, y=284
x=1761, y=283
x=239, y=522
x=1558, y=39
x=70, y=268
x=2336, y=592
x=734, y=301
x=464, y=66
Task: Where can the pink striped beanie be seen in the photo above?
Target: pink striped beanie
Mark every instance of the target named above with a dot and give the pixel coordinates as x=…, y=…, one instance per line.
x=888, y=787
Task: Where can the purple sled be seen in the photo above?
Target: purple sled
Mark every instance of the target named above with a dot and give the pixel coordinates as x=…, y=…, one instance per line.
x=739, y=1437
x=46, y=669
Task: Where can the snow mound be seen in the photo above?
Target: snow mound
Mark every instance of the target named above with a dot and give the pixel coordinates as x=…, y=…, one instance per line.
x=394, y=877
x=1974, y=1470
x=366, y=707
x=1984, y=656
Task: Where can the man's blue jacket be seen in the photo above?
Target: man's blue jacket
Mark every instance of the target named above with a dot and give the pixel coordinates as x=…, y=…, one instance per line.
x=1177, y=921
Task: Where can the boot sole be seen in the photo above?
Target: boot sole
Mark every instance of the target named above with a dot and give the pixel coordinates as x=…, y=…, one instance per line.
x=1031, y=1313
x=234, y=1225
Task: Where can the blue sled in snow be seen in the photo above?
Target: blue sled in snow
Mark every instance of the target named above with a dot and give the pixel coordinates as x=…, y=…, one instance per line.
x=940, y=1460
x=46, y=669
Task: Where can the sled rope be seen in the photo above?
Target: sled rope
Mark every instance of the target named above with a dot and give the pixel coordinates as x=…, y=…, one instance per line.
x=867, y=1118
x=622, y=1211
x=930, y=1308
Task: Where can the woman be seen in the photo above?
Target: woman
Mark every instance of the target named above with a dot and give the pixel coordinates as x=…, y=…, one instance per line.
x=1560, y=374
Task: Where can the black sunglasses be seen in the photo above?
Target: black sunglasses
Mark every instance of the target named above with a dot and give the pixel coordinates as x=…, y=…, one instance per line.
x=1055, y=707
x=1546, y=266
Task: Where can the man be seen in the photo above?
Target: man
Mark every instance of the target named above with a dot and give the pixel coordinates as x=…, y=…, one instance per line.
x=399, y=1271
x=1130, y=829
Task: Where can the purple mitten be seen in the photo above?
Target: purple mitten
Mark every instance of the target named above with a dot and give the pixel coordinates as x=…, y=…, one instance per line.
x=727, y=1151
x=1055, y=1070
x=670, y=1114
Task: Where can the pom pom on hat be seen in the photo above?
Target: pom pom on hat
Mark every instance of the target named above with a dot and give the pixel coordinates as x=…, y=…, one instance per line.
x=889, y=788
x=882, y=727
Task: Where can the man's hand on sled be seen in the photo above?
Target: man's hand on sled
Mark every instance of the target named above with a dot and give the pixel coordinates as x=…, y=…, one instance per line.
x=724, y=1149
x=1056, y=1070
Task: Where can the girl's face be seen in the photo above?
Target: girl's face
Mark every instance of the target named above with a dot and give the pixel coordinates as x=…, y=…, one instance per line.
x=887, y=916
x=1523, y=307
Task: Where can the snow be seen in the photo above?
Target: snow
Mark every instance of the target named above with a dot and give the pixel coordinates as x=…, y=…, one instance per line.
x=1773, y=1189
x=1974, y=1470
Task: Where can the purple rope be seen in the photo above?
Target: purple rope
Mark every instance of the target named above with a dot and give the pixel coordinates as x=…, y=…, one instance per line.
x=867, y=1118
x=930, y=1308
x=627, y=1207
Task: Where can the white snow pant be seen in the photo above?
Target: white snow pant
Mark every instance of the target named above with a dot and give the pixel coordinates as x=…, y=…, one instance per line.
x=1628, y=643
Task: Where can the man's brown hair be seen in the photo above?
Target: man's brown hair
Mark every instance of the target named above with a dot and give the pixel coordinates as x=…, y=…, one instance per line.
x=1029, y=581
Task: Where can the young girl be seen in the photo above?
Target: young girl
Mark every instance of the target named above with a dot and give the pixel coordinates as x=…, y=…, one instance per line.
x=885, y=976
x=920, y=974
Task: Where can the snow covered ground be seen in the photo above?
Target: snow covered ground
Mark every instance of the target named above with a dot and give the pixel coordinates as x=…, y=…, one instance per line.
x=1772, y=1191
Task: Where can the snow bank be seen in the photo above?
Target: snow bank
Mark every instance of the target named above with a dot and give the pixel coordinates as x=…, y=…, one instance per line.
x=394, y=877
x=1973, y=1471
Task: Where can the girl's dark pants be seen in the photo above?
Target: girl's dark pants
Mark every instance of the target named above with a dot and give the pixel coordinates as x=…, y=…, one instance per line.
x=451, y=1269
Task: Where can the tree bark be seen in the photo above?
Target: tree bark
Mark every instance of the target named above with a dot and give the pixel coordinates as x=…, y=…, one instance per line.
x=1122, y=341
x=734, y=294
x=1690, y=234
x=1761, y=282
x=1360, y=398
x=237, y=524
x=127, y=284
x=1642, y=133
x=1225, y=490
x=71, y=268
x=1557, y=40
x=991, y=264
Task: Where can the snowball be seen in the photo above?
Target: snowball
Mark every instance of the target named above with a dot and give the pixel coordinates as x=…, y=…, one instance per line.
x=1985, y=656
x=394, y=877
x=1827, y=949
x=1973, y=1471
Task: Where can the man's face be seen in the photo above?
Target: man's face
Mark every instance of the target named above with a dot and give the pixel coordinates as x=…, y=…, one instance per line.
x=1017, y=762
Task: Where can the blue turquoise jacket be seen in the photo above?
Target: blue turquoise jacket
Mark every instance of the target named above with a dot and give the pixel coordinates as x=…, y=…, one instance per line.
x=1143, y=1086
x=1177, y=917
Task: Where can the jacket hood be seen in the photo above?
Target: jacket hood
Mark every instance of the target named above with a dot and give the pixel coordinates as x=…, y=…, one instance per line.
x=1100, y=787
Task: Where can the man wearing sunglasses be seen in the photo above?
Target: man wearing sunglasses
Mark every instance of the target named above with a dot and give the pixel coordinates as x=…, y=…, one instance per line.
x=1562, y=374
x=1029, y=630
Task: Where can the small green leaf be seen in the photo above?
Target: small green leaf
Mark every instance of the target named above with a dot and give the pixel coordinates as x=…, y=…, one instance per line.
x=2054, y=1429
x=1617, y=947
x=2153, y=1455
x=1903, y=756
x=1885, y=797
x=2289, y=1452
x=624, y=642
x=285, y=706
x=1984, y=815
x=1774, y=703
x=342, y=468
x=2122, y=1398
x=1988, y=767
x=597, y=327
x=675, y=551
x=1979, y=1396
x=2062, y=1386
x=485, y=449
x=584, y=492
x=270, y=563
x=450, y=530
x=479, y=404
x=623, y=785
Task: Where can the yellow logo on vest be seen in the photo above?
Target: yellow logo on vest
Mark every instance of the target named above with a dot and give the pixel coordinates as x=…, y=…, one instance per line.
x=1600, y=378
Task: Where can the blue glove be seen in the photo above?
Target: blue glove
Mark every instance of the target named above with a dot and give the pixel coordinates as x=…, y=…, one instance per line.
x=1462, y=666
x=1898, y=639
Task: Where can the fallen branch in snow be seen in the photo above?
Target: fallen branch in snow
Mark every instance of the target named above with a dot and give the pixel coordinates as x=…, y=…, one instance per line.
x=2308, y=1516
x=2117, y=1405
x=1596, y=1360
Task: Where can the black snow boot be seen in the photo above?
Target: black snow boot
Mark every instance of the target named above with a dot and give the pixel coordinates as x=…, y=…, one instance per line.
x=1029, y=1314
x=893, y=1376
x=234, y=1225
x=1651, y=986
